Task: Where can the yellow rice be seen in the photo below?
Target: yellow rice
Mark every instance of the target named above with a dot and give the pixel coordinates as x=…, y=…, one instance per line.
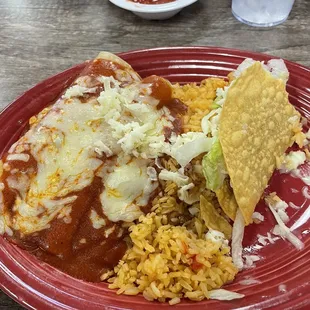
x=167, y=262
x=169, y=257
x=198, y=98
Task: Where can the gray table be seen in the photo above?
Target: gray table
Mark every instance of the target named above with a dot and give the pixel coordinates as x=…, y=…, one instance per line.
x=40, y=38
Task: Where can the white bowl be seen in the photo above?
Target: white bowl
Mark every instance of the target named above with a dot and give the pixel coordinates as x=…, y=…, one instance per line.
x=153, y=11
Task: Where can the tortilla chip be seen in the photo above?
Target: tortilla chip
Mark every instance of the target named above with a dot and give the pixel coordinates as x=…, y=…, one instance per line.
x=256, y=126
x=226, y=199
x=213, y=219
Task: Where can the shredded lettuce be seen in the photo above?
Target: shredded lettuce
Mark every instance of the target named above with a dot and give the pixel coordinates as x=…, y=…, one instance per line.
x=213, y=167
x=236, y=242
x=221, y=294
x=210, y=122
x=189, y=145
x=214, y=105
x=176, y=177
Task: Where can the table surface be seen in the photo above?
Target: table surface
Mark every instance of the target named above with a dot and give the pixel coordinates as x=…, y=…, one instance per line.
x=40, y=38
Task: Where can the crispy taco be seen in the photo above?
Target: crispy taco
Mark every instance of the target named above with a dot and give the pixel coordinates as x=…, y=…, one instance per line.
x=253, y=124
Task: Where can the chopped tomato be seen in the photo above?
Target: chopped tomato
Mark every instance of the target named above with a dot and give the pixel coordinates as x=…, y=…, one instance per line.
x=196, y=265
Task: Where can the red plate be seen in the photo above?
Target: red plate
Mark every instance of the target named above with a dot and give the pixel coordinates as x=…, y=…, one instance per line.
x=37, y=285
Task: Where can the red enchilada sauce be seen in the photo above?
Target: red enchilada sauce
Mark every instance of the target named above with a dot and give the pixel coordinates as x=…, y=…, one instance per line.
x=102, y=67
x=152, y=1
x=76, y=247
x=162, y=91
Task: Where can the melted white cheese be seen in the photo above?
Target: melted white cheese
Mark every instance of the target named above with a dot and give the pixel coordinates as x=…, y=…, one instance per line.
x=77, y=91
x=68, y=142
x=127, y=188
x=134, y=123
x=97, y=221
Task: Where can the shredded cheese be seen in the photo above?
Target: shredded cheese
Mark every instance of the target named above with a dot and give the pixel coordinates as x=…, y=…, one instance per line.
x=21, y=157
x=217, y=237
x=292, y=161
x=250, y=260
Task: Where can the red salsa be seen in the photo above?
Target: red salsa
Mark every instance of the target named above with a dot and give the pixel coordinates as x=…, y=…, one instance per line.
x=152, y=1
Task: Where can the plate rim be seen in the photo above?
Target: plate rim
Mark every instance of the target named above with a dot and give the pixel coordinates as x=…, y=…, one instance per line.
x=162, y=48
